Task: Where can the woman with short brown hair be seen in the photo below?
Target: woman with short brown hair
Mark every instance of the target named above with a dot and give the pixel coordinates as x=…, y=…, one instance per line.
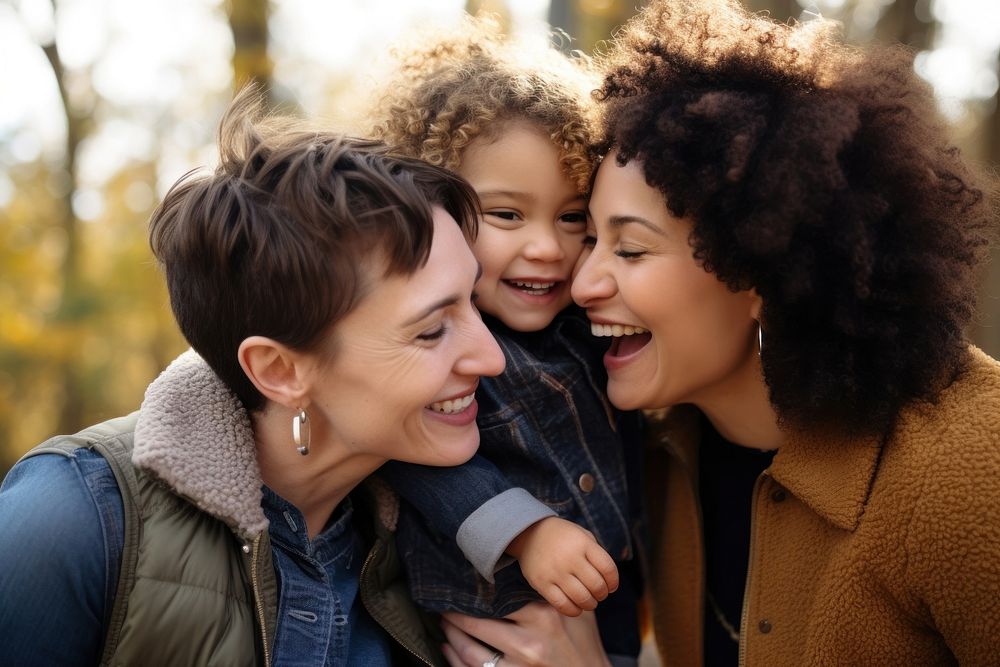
x=326, y=287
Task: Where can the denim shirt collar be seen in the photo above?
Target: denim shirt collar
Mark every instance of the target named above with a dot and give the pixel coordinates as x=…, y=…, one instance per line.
x=288, y=529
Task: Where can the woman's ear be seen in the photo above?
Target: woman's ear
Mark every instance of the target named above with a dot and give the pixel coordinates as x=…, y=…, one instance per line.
x=278, y=372
x=756, y=304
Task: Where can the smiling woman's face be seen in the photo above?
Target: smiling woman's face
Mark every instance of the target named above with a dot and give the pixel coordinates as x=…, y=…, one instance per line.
x=680, y=335
x=407, y=360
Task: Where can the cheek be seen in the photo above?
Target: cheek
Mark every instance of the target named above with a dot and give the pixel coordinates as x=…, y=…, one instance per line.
x=492, y=252
x=572, y=247
x=684, y=304
x=711, y=327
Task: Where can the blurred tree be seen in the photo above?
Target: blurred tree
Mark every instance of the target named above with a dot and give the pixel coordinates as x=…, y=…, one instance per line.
x=86, y=323
x=497, y=7
x=589, y=22
x=73, y=301
x=987, y=333
x=780, y=10
x=900, y=23
x=248, y=20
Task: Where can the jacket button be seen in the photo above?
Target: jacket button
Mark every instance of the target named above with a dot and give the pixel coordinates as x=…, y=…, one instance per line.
x=626, y=553
x=778, y=495
x=586, y=482
x=764, y=626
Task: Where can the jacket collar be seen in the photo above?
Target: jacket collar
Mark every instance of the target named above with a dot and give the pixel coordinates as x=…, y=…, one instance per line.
x=195, y=436
x=832, y=475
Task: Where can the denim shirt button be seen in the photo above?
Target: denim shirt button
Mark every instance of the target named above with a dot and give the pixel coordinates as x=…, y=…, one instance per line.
x=586, y=482
x=626, y=553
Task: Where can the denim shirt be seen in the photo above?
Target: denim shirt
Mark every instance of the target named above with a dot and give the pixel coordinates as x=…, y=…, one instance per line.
x=61, y=525
x=321, y=620
x=546, y=428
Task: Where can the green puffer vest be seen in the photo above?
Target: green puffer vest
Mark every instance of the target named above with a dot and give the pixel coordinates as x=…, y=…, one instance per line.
x=193, y=590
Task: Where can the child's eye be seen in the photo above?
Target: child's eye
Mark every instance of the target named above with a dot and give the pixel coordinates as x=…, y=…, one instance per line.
x=574, y=217
x=504, y=215
x=433, y=335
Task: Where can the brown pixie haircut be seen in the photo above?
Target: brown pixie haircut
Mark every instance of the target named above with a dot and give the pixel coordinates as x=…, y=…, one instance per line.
x=819, y=175
x=453, y=88
x=287, y=234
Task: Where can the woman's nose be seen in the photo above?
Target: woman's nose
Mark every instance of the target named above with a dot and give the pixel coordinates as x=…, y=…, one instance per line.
x=592, y=282
x=483, y=356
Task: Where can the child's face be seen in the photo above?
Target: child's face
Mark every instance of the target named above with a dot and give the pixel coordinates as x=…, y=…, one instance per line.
x=534, y=221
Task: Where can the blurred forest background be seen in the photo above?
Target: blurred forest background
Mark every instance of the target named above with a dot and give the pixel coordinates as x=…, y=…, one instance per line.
x=107, y=102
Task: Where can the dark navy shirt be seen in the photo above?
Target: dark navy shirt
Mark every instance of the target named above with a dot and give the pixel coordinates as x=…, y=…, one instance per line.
x=727, y=474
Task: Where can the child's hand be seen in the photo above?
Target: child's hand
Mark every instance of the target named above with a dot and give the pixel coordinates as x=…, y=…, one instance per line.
x=565, y=564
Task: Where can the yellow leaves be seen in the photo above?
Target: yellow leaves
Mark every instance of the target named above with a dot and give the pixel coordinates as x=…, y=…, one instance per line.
x=97, y=341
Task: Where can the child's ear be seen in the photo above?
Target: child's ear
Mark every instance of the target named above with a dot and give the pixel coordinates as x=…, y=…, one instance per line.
x=277, y=371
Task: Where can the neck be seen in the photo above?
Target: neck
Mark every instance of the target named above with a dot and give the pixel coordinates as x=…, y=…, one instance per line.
x=315, y=483
x=741, y=411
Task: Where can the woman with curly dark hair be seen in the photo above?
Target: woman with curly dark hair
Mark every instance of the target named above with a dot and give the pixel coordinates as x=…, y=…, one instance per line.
x=784, y=252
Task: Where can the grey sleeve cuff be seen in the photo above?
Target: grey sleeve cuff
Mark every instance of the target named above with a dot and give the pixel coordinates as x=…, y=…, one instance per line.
x=485, y=534
x=623, y=661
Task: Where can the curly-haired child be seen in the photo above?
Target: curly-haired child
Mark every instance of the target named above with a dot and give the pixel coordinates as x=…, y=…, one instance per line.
x=550, y=485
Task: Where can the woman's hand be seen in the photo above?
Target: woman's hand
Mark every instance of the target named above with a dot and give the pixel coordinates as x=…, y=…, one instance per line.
x=534, y=635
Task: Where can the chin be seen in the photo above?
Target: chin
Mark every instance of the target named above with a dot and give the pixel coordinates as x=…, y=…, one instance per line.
x=624, y=397
x=528, y=324
x=459, y=451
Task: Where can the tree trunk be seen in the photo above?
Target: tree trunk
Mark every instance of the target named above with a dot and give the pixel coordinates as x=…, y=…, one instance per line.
x=589, y=23
x=251, y=62
x=987, y=334
x=900, y=24
x=496, y=7
x=779, y=10
x=71, y=410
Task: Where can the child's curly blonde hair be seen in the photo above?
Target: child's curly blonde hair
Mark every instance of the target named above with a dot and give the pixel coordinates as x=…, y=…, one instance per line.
x=451, y=89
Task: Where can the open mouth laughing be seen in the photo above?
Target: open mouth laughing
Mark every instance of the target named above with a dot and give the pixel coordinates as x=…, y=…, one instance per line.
x=627, y=339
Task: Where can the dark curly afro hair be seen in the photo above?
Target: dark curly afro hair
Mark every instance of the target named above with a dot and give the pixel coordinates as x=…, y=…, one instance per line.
x=821, y=176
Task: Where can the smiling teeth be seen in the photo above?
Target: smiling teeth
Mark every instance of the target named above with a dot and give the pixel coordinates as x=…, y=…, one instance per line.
x=535, y=289
x=615, y=330
x=453, y=406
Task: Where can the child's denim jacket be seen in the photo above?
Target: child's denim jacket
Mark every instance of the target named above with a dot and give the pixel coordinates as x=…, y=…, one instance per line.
x=550, y=444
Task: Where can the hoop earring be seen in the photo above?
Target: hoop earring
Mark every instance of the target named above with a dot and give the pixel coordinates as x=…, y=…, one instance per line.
x=760, y=338
x=301, y=432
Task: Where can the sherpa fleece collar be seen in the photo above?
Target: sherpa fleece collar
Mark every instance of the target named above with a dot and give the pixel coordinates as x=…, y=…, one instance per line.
x=194, y=434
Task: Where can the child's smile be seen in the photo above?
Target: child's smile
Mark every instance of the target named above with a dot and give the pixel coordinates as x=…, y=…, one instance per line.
x=533, y=226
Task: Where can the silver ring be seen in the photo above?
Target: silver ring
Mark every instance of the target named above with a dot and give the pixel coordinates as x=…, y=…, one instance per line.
x=495, y=660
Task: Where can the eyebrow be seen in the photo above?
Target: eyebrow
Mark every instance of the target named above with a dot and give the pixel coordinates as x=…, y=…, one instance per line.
x=512, y=194
x=527, y=196
x=442, y=303
x=622, y=220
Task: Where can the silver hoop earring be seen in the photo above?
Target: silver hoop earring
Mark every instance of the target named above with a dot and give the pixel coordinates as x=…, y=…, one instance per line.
x=301, y=432
x=760, y=338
